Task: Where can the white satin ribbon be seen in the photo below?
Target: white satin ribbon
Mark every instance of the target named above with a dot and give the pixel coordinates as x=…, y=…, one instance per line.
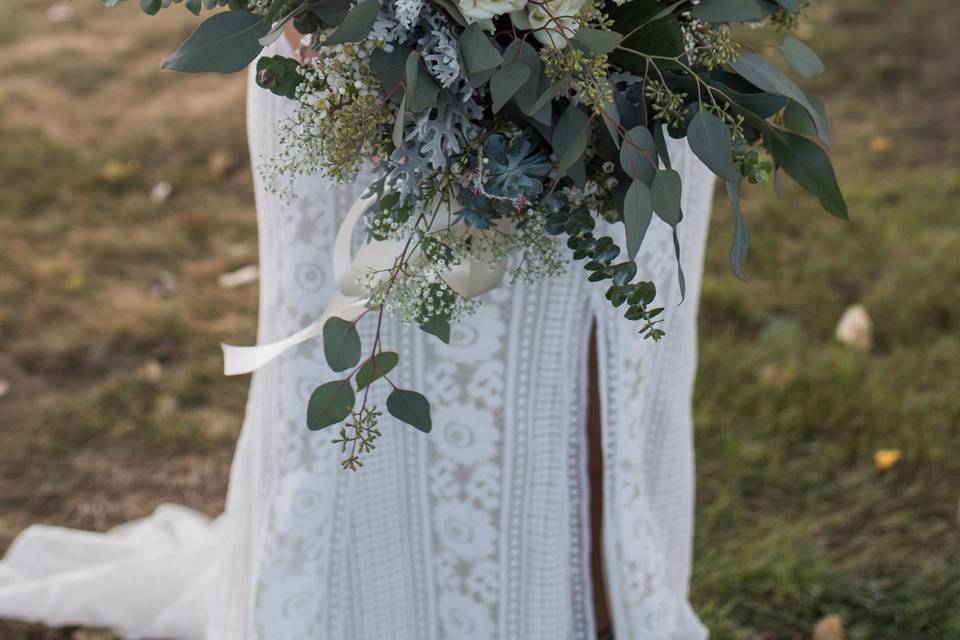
x=470, y=278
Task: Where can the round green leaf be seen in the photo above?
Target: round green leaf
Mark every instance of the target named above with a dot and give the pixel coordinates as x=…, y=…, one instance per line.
x=330, y=403
x=341, y=344
x=376, y=367
x=410, y=407
x=709, y=139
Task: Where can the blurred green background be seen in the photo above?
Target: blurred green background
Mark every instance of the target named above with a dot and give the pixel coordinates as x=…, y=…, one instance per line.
x=828, y=474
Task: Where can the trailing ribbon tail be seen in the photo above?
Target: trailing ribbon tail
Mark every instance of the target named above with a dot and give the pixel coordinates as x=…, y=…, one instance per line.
x=240, y=360
x=470, y=279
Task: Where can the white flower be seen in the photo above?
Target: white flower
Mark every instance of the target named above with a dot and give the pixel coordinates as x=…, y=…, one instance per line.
x=487, y=9
x=553, y=22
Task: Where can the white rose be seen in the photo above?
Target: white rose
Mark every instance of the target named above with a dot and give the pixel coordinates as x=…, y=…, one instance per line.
x=486, y=9
x=553, y=22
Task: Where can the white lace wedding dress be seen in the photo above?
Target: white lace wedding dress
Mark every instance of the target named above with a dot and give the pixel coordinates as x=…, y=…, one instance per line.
x=476, y=531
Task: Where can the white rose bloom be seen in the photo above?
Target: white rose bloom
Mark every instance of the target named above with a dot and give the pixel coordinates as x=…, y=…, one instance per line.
x=486, y=9
x=553, y=22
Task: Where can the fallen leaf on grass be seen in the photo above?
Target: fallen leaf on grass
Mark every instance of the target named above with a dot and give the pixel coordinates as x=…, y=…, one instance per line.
x=881, y=144
x=829, y=628
x=886, y=458
x=151, y=370
x=115, y=170
x=220, y=164
x=240, y=277
x=855, y=328
x=160, y=192
x=61, y=13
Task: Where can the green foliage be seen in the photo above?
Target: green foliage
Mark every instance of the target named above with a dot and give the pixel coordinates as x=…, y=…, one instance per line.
x=279, y=75
x=637, y=213
x=357, y=24
x=329, y=404
x=710, y=140
x=224, y=43
x=801, y=58
x=410, y=407
x=376, y=367
x=341, y=344
x=807, y=163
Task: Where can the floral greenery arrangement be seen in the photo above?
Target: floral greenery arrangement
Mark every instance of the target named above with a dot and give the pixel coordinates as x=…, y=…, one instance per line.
x=503, y=128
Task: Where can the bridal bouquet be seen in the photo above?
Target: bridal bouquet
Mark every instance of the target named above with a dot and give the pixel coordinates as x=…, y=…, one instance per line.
x=500, y=130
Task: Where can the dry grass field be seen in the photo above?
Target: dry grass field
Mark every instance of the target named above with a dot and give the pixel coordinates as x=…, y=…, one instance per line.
x=111, y=313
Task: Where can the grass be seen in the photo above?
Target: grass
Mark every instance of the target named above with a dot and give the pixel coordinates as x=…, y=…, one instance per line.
x=111, y=317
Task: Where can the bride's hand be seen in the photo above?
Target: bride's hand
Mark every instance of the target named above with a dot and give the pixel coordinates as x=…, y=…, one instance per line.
x=293, y=37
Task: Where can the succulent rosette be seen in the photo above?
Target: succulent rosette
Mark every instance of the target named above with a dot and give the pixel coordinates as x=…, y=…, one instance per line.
x=500, y=132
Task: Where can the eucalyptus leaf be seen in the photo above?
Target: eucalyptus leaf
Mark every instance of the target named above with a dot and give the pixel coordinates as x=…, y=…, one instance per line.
x=454, y=11
x=357, y=25
x=277, y=30
x=710, y=141
x=741, y=235
x=793, y=6
x=397, y=133
x=520, y=51
x=410, y=407
x=721, y=11
x=597, y=40
x=662, y=151
x=478, y=52
x=611, y=120
x=681, y=278
x=638, y=153
x=506, y=82
x=439, y=327
x=388, y=67
x=637, y=213
x=341, y=344
x=376, y=367
x=801, y=58
x=551, y=92
x=329, y=404
x=650, y=29
x=151, y=7
x=570, y=137
x=807, y=163
x=421, y=90
x=764, y=75
x=223, y=43
x=665, y=194
x=798, y=120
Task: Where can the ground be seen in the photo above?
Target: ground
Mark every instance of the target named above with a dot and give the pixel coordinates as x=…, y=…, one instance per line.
x=112, y=401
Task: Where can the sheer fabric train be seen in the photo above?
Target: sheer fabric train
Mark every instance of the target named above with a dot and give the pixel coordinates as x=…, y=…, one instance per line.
x=477, y=531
